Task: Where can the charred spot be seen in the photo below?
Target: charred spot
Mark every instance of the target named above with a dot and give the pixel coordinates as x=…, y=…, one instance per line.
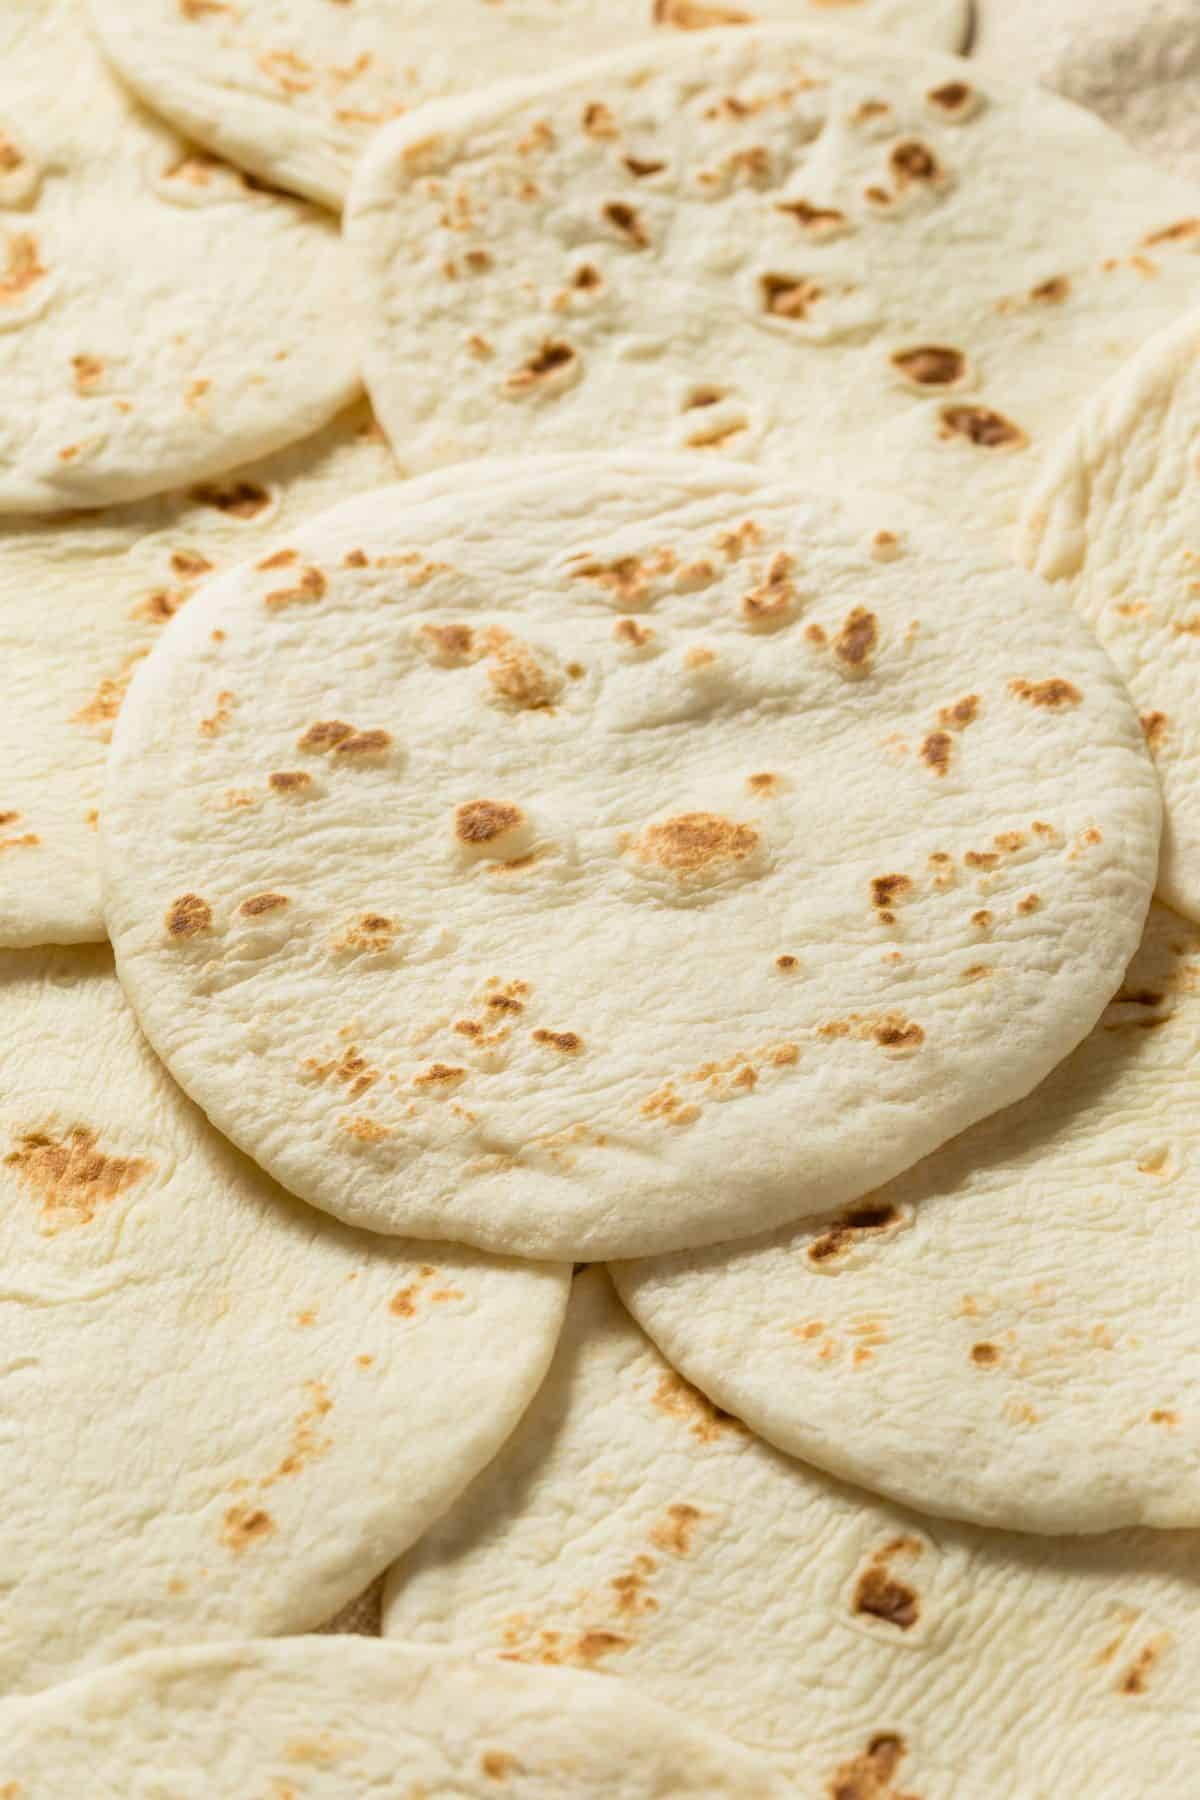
x=869, y=1775
x=1051, y=292
x=553, y=357
x=930, y=365
x=326, y=734
x=814, y=219
x=289, y=781
x=639, y=167
x=680, y=1400
x=882, y=1596
x=363, y=743
x=984, y=1356
x=856, y=1222
x=936, y=750
x=567, y=1041
x=280, y=559
x=787, y=964
x=696, y=840
x=887, y=889
x=587, y=278
x=912, y=162
x=497, y=1765
x=1054, y=693
x=262, y=903
x=439, y=1075
x=772, y=600
x=1154, y=726
x=952, y=98
x=962, y=713
x=1173, y=234
x=788, y=296
x=238, y=499
x=624, y=220
x=188, y=916
x=482, y=821
x=857, y=639
x=1138, y=997
x=983, y=427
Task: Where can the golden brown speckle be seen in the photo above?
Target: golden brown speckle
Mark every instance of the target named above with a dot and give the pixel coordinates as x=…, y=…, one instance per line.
x=695, y=840
x=1053, y=694
x=482, y=821
x=930, y=365
x=188, y=916
x=788, y=296
x=311, y=586
x=262, y=903
x=289, y=781
x=984, y=1356
x=244, y=1525
x=566, y=1041
x=981, y=426
x=856, y=641
x=70, y=1175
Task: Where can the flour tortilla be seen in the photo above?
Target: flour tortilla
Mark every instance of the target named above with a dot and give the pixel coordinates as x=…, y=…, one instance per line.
x=628, y=1528
x=81, y=602
x=295, y=93
x=1135, y=62
x=1114, y=517
x=338, y=1721
x=161, y=320
x=223, y=1413
x=850, y=257
x=1038, y=1275
x=476, y=864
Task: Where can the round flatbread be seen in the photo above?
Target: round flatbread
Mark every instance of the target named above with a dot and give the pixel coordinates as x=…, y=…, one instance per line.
x=600, y=841
x=792, y=246
x=222, y=340
x=629, y=1528
x=223, y=1412
x=294, y=94
x=1039, y=1275
x=1115, y=517
x=81, y=602
x=333, y=1720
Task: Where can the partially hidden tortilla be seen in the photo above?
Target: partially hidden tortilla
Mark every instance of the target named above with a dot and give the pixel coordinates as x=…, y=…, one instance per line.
x=162, y=319
x=787, y=245
x=310, y=1718
x=223, y=1412
x=1114, y=518
x=82, y=599
x=874, y=1654
x=295, y=93
x=1007, y=1332
x=618, y=856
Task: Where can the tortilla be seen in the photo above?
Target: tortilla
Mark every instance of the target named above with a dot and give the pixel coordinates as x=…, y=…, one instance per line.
x=162, y=319
x=329, y=1721
x=295, y=93
x=629, y=1528
x=787, y=245
x=1038, y=1275
x=1114, y=517
x=474, y=862
x=81, y=602
x=223, y=1413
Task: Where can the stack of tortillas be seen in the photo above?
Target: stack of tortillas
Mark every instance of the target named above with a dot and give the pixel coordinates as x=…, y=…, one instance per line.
x=622, y=800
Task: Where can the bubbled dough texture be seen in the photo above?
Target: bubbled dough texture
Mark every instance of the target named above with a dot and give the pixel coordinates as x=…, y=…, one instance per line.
x=1011, y=1338
x=81, y=602
x=221, y=1460
x=1114, y=516
x=628, y=1528
x=294, y=92
x=331, y=1721
x=557, y=1040
x=225, y=337
x=746, y=123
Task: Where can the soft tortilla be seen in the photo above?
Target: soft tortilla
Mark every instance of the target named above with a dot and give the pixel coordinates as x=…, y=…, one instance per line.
x=223, y=1412
x=629, y=1528
x=474, y=861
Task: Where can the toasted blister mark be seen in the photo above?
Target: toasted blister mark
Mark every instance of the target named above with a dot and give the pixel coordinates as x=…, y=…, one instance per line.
x=633, y=635
x=1154, y=726
x=102, y=709
x=236, y=499
x=450, y=646
x=1054, y=694
x=243, y=1526
x=691, y=15
x=954, y=100
x=930, y=365
x=678, y=1399
x=627, y=223
x=856, y=642
x=936, y=750
x=886, y=893
x=867, y=1219
x=695, y=842
x=885, y=546
x=914, y=164
x=70, y=1175
x=870, y=1774
x=891, y=1031
x=551, y=368
x=666, y=1104
x=521, y=679
x=817, y=222
x=772, y=602
x=981, y=426
x=788, y=296
x=880, y=1593
x=23, y=268
x=216, y=721
x=371, y=933
x=258, y=904
x=1135, y=1679
x=598, y=121
x=675, y=1529
x=568, y=1042
x=487, y=824
x=20, y=175
x=439, y=1078
x=188, y=917
x=293, y=783
x=311, y=586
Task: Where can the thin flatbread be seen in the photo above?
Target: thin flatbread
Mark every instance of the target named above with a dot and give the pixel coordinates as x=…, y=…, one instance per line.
x=1114, y=517
x=294, y=94
x=223, y=1412
x=629, y=1528
x=81, y=602
x=1006, y=1333
x=162, y=318
x=475, y=861
x=336, y=1721
x=787, y=245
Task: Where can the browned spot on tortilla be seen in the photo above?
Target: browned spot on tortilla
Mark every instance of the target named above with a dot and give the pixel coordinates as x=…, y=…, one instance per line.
x=516, y=675
x=676, y=1528
x=326, y=734
x=23, y=268
x=931, y=365
x=240, y=499
x=624, y=219
x=881, y=1594
x=1053, y=693
x=108, y=699
x=639, y=166
x=88, y=371
x=553, y=356
x=857, y=1222
x=289, y=781
x=482, y=821
x=365, y=1131
x=159, y=606
x=1163, y=1415
x=9, y=818
x=70, y=1175
x=566, y=1041
x=1154, y=725
x=10, y=159
x=886, y=890
x=498, y=1765
x=1029, y=903
x=811, y=218
x=788, y=296
x=680, y=1400
x=451, y=644
x=363, y=743
x=307, y=1445
x=220, y=716
x=980, y=425
x=984, y=1356
x=598, y=121
x=1173, y=234
x=764, y=783
x=786, y=964
x=189, y=565
x=262, y=903
x=439, y=1075
x=350, y=1068
x=370, y=931
x=280, y=559
x=200, y=9
x=962, y=713
x=869, y=1775
x=952, y=97
x=912, y=162
x=695, y=840
x=188, y=916
x=629, y=631
x=689, y=15
x=245, y=1525
x=772, y=600
x=26, y=840
x=1137, y=1674
x=311, y=586
x=935, y=751
x=1051, y=292
x=856, y=641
